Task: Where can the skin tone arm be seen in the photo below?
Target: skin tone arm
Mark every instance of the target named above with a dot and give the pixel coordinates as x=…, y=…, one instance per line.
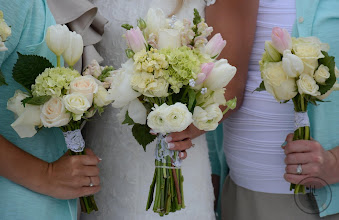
x=67, y=178
x=315, y=160
x=235, y=20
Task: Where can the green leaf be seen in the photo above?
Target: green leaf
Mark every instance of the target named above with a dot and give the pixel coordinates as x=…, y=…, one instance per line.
x=127, y=26
x=142, y=135
x=261, y=87
x=330, y=63
x=197, y=17
x=128, y=120
x=191, y=99
x=39, y=100
x=105, y=73
x=28, y=67
x=2, y=79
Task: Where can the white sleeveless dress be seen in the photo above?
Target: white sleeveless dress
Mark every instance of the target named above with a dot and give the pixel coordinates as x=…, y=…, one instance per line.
x=255, y=133
x=126, y=171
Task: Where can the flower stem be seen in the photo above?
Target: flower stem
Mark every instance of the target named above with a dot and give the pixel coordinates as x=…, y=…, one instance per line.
x=58, y=61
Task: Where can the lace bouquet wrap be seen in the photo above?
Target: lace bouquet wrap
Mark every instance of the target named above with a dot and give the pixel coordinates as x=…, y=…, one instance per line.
x=171, y=80
x=59, y=96
x=299, y=69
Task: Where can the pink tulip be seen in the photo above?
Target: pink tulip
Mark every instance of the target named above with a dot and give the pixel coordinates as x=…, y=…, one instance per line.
x=135, y=39
x=281, y=39
x=215, y=45
x=206, y=69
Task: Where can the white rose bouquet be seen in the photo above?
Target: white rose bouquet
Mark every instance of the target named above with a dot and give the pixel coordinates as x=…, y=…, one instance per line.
x=299, y=69
x=5, y=32
x=171, y=80
x=59, y=96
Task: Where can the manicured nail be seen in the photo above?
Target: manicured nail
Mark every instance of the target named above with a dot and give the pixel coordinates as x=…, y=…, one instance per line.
x=182, y=154
x=170, y=145
x=168, y=139
x=284, y=144
x=100, y=158
x=152, y=132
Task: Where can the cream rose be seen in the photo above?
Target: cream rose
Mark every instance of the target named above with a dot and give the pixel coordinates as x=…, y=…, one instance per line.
x=76, y=103
x=307, y=85
x=292, y=64
x=169, y=38
x=102, y=97
x=85, y=85
x=322, y=74
x=53, y=113
x=178, y=118
x=220, y=76
x=207, y=119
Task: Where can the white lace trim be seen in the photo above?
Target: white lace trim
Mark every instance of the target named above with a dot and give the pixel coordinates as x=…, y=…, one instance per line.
x=210, y=2
x=74, y=140
x=162, y=151
x=301, y=120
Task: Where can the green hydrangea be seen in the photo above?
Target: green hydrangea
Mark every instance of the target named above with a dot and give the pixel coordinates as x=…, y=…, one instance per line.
x=184, y=64
x=54, y=81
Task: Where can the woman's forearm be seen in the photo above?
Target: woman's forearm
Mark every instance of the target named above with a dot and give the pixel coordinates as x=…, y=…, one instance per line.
x=21, y=167
x=235, y=20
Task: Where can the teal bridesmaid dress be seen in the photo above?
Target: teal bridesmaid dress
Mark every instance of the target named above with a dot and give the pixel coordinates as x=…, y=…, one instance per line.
x=29, y=20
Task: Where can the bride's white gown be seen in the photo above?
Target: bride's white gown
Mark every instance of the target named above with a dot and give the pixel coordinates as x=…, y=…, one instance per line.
x=126, y=171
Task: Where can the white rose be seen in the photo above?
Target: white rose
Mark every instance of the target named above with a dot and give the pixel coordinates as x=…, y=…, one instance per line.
x=137, y=112
x=207, y=119
x=148, y=85
x=277, y=81
x=220, y=76
x=177, y=117
x=156, y=119
x=85, y=85
x=93, y=69
x=14, y=104
x=76, y=103
x=155, y=20
x=211, y=97
x=53, y=113
x=292, y=64
x=322, y=74
x=169, y=38
x=312, y=40
x=307, y=85
x=102, y=97
x=121, y=90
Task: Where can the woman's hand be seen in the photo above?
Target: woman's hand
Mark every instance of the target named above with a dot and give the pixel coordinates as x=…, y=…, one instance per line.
x=314, y=160
x=181, y=141
x=71, y=176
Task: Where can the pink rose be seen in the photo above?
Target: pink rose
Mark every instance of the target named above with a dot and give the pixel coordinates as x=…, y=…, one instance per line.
x=281, y=39
x=135, y=39
x=215, y=45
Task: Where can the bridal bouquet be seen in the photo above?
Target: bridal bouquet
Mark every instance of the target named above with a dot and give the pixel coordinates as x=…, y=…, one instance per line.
x=299, y=69
x=5, y=32
x=172, y=79
x=59, y=96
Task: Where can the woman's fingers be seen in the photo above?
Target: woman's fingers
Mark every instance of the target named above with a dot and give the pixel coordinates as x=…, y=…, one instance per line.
x=180, y=145
x=89, y=160
x=298, y=158
x=88, y=190
x=183, y=155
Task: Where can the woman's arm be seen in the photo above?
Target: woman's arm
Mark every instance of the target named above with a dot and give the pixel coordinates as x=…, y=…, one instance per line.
x=236, y=21
x=66, y=178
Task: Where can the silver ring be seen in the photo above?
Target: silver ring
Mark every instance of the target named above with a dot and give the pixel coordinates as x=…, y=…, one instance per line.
x=299, y=169
x=193, y=145
x=90, y=182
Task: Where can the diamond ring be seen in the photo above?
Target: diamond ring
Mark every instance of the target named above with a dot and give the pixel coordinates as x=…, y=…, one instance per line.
x=299, y=169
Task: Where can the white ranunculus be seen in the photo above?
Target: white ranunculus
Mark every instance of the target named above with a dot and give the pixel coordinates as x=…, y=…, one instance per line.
x=277, y=81
x=178, y=118
x=322, y=74
x=14, y=104
x=74, y=50
x=86, y=85
x=207, y=119
x=77, y=104
x=57, y=38
x=292, y=64
x=121, y=90
x=137, y=112
x=307, y=85
x=156, y=119
x=155, y=20
x=169, y=38
x=102, y=97
x=53, y=113
x=220, y=76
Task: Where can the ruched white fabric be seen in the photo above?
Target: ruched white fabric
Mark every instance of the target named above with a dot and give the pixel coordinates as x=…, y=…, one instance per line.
x=253, y=135
x=126, y=170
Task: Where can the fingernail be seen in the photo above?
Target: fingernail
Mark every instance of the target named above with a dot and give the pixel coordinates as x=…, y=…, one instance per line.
x=100, y=158
x=170, y=145
x=284, y=144
x=152, y=132
x=182, y=155
x=168, y=139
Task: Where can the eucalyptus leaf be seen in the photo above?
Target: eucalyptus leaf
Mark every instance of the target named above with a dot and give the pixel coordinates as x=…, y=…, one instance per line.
x=142, y=134
x=27, y=68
